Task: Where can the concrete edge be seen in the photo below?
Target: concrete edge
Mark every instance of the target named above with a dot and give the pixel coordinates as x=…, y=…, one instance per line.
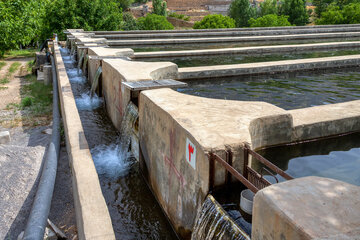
x=92, y=215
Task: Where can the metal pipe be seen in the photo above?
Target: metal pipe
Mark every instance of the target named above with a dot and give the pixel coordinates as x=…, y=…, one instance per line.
x=37, y=221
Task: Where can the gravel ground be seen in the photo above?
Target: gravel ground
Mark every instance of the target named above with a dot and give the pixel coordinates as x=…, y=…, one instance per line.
x=20, y=164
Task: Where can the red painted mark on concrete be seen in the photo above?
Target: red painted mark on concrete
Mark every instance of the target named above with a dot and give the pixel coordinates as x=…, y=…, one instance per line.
x=169, y=161
x=191, y=151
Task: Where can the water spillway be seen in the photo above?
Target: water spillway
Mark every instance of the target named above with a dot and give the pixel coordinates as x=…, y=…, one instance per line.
x=134, y=212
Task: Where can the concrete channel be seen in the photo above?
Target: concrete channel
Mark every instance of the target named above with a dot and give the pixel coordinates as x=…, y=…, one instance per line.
x=178, y=133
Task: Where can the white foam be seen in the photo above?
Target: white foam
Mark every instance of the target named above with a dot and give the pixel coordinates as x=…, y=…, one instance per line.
x=85, y=102
x=110, y=162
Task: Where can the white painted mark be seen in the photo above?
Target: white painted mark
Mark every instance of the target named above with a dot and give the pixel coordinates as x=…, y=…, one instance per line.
x=190, y=153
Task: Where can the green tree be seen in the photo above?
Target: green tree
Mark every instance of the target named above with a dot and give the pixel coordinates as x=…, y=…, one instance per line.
x=268, y=7
x=159, y=7
x=129, y=22
x=296, y=11
x=154, y=22
x=89, y=15
x=241, y=11
x=215, y=21
x=332, y=16
x=20, y=23
x=270, y=20
x=350, y=14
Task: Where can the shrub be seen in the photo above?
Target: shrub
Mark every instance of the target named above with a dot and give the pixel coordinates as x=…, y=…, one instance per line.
x=241, y=11
x=154, y=22
x=215, y=21
x=270, y=20
x=129, y=22
x=350, y=14
x=179, y=16
x=268, y=7
x=296, y=11
x=26, y=102
x=332, y=16
x=159, y=7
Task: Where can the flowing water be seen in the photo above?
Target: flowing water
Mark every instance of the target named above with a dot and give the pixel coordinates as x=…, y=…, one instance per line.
x=288, y=91
x=197, y=61
x=212, y=222
x=95, y=82
x=134, y=211
x=337, y=158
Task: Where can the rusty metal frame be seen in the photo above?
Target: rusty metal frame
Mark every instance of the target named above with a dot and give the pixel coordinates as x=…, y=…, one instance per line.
x=264, y=161
x=251, y=179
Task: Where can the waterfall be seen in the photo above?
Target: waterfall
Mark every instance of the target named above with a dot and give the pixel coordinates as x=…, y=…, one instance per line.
x=127, y=125
x=95, y=82
x=212, y=222
x=81, y=58
x=85, y=64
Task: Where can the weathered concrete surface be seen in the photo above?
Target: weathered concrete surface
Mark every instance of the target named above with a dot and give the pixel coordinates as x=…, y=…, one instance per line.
x=226, y=33
x=307, y=208
x=325, y=120
x=214, y=30
x=116, y=71
x=268, y=67
x=96, y=54
x=92, y=216
x=250, y=50
x=111, y=52
x=150, y=42
x=166, y=120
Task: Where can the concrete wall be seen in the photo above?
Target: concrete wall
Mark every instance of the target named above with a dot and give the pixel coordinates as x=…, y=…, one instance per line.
x=116, y=71
x=268, y=67
x=92, y=216
x=307, y=208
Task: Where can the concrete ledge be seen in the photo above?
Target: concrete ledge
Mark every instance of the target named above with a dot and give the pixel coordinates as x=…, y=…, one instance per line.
x=307, y=208
x=250, y=50
x=112, y=52
x=254, y=32
x=178, y=41
x=92, y=216
x=325, y=120
x=218, y=30
x=116, y=71
x=268, y=67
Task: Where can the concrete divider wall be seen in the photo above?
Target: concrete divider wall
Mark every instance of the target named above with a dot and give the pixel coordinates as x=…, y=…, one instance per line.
x=116, y=71
x=92, y=216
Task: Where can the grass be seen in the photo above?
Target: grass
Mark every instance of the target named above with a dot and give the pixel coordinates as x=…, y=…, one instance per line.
x=5, y=80
x=14, y=67
x=36, y=96
x=2, y=64
x=3, y=88
x=20, y=53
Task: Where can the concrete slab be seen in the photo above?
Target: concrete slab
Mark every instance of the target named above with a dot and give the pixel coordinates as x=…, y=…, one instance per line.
x=307, y=208
x=113, y=52
x=250, y=50
x=267, y=67
x=173, y=41
x=325, y=120
x=254, y=32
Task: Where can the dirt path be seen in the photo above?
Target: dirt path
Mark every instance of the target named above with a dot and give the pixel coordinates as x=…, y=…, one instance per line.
x=10, y=93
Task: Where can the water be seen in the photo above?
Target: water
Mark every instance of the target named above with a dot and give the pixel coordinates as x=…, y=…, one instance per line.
x=337, y=158
x=288, y=91
x=134, y=211
x=212, y=222
x=81, y=58
x=95, y=82
x=197, y=61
